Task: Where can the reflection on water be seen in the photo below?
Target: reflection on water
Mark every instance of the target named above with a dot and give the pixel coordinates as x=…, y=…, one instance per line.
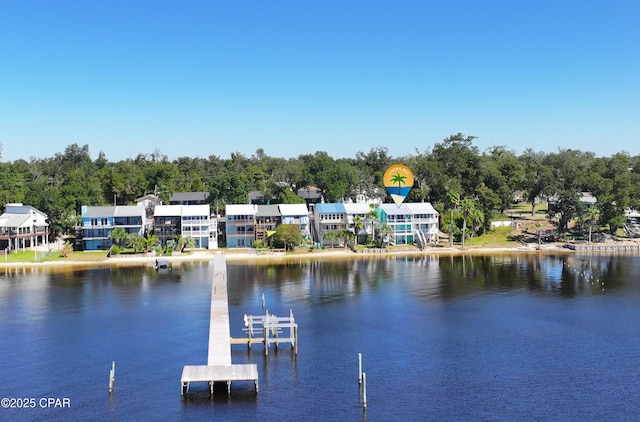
x=436, y=277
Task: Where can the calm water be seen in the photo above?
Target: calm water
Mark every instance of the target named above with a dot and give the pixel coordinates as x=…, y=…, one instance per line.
x=482, y=338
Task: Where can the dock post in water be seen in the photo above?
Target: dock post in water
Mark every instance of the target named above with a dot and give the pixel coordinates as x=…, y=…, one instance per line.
x=112, y=377
x=294, y=328
x=364, y=390
x=265, y=328
x=359, y=368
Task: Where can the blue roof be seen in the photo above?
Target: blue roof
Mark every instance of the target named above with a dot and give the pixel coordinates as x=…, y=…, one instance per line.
x=330, y=208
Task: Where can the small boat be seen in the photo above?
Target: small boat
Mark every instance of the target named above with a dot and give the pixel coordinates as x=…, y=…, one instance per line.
x=162, y=264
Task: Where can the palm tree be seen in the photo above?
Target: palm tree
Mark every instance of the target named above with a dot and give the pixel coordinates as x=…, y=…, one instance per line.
x=183, y=242
x=467, y=206
x=330, y=236
x=372, y=216
x=386, y=233
x=475, y=217
x=118, y=235
x=454, y=201
x=151, y=242
x=358, y=224
x=592, y=217
x=399, y=179
x=136, y=242
x=345, y=236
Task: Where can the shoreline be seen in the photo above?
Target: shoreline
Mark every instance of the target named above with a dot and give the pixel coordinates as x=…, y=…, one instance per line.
x=252, y=256
x=276, y=257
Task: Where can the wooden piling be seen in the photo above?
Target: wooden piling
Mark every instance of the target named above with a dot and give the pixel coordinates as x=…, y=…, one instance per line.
x=266, y=334
x=364, y=390
x=112, y=377
x=359, y=368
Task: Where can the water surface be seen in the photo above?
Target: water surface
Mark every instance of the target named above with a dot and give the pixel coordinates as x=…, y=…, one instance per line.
x=508, y=337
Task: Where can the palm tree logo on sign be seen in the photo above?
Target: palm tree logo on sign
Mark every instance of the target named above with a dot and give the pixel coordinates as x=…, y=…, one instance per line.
x=398, y=180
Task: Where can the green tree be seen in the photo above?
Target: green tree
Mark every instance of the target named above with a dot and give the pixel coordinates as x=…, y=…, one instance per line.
x=136, y=242
x=591, y=219
x=12, y=184
x=288, y=234
x=287, y=196
x=358, y=225
x=538, y=177
x=467, y=206
x=476, y=217
x=184, y=242
x=385, y=233
x=503, y=173
x=374, y=163
x=124, y=181
x=449, y=226
x=118, y=236
x=372, y=216
x=330, y=236
x=346, y=237
x=454, y=202
x=151, y=242
x=458, y=159
x=570, y=169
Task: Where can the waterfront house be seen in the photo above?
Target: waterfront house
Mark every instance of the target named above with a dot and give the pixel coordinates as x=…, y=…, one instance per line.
x=297, y=214
x=359, y=209
x=411, y=222
x=194, y=221
x=329, y=218
x=98, y=222
x=22, y=227
x=240, y=225
x=268, y=217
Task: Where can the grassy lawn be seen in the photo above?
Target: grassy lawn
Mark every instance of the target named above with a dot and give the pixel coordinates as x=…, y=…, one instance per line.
x=31, y=256
x=525, y=208
x=499, y=237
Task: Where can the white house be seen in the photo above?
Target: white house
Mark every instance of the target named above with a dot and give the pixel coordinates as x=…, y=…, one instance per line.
x=361, y=210
x=297, y=214
x=194, y=221
x=22, y=227
x=411, y=222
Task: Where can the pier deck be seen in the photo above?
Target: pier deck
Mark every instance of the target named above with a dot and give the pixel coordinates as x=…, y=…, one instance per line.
x=219, y=367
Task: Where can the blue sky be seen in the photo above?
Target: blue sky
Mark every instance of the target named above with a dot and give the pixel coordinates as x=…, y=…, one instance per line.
x=200, y=78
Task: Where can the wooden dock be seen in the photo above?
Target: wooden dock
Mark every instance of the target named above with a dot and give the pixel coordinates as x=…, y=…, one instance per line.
x=219, y=367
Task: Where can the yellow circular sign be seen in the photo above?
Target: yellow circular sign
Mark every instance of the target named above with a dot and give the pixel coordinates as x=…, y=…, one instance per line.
x=398, y=180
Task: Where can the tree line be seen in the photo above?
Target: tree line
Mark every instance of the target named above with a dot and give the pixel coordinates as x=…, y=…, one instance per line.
x=467, y=186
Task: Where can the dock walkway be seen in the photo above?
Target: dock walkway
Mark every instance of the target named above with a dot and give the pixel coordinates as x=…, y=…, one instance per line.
x=219, y=367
